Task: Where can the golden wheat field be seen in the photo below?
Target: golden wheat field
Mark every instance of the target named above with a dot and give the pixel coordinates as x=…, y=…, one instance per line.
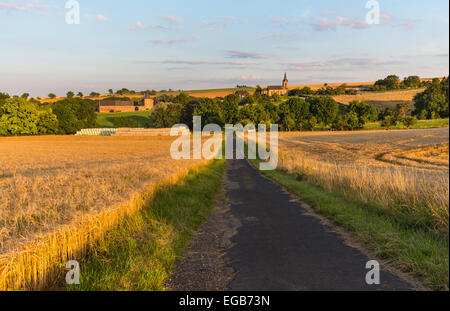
x=59, y=195
x=405, y=172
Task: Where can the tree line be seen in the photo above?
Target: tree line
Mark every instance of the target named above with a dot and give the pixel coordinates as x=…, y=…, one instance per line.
x=295, y=114
x=19, y=116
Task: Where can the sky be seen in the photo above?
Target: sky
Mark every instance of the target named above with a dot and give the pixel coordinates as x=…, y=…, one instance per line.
x=140, y=45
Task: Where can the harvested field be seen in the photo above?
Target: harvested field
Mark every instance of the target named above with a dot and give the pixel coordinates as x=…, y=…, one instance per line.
x=59, y=195
x=381, y=100
x=212, y=94
x=315, y=87
x=404, y=172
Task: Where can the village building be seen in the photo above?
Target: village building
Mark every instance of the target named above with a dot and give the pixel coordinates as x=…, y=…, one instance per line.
x=277, y=89
x=146, y=103
x=242, y=94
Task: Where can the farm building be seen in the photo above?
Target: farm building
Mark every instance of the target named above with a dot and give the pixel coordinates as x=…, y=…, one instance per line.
x=241, y=94
x=277, y=89
x=146, y=103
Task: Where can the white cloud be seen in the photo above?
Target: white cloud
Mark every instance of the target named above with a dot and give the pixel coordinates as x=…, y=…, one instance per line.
x=12, y=6
x=140, y=26
x=324, y=24
x=34, y=5
x=204, y=62
x=277, y=20
x=172, y=19
x=172, y=41
x=241, y=54
x=219, y=24
x=101, y=17
x=340, y=63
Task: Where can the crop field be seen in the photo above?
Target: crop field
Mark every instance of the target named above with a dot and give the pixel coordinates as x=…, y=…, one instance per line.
x=59, y=195
x=315, y=87
x=381, y=100
x=402, y=173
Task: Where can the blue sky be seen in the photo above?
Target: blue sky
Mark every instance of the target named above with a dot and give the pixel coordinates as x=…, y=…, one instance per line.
x=186, y=45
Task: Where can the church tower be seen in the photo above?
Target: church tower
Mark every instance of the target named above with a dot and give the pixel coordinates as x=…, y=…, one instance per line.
x=285, y=81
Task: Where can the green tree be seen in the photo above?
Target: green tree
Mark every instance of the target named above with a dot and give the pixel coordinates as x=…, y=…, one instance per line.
x=18, y=117
x=51, y=95
x=433, y=102
x=166, y=115
x=3, y=98
x=80, y=94
x=230, y=109
x=70, y=94
x=347, y=122
x=183, y=98
x=25, y=95
x=74, y=114
x=389, y=83
x=412, y=81
x=47, y=123
x=324, y=109
x=365, y=113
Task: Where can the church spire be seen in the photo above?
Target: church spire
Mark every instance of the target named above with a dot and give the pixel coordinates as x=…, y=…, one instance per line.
x=285, y=81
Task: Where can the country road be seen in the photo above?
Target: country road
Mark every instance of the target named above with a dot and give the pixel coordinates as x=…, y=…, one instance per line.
x=275, y=244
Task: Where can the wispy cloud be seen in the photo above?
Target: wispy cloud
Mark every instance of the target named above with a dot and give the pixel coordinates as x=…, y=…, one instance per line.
x=169, y=20
x=15, y=6
x=325, y=24
x=172, y=19
x=241, y=54
x=204, y=62
x=12, y=6
x=101, y=17
x=219, y=24
x=281, y=36
x=278, y=20
x=341, y=62
x=172, y=41
x=333, y=22
x=140, y=26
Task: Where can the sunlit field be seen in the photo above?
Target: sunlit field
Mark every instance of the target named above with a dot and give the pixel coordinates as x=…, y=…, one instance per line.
x=403, y=174
x=59, y=196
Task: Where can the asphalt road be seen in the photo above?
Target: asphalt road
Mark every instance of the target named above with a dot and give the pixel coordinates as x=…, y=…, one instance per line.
x=279, y=245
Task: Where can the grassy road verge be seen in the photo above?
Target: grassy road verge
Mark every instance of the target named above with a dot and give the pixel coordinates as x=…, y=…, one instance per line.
x=412, y=250
x=140, y=254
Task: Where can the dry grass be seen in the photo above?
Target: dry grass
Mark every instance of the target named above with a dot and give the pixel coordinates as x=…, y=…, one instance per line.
x=355, y=164
x=60, y=195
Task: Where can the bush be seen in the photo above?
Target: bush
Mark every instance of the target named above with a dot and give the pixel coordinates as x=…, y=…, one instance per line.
x=409, y=121
x=388, y=122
